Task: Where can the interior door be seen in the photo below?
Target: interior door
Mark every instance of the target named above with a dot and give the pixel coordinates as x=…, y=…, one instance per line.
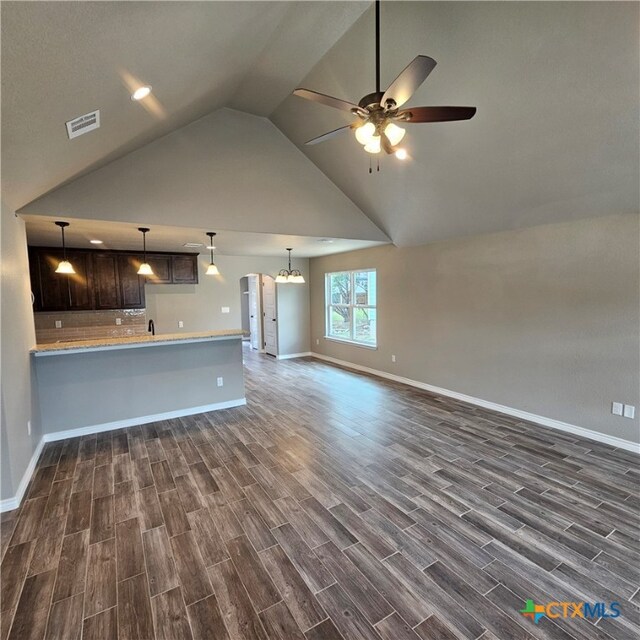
x=254, y=313
x=270, y=315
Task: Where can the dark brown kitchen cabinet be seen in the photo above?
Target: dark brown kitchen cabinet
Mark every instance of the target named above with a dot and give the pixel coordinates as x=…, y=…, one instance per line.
x=161, y=266
x=103, y=279
x=57, y=291
x=172, y=268
x=106, y=281
x=131, y=284
x=185, y=269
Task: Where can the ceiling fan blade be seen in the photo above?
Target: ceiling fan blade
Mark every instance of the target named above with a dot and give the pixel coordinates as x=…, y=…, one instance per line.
x=385, y=143
x=329, y=101
x=328, y=135
x=412, y=76
x=436, y=114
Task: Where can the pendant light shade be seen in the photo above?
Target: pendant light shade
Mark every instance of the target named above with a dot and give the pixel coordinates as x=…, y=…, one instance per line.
x=64, y=266
x=145, y=268
x=212, y=270
x=291, y=276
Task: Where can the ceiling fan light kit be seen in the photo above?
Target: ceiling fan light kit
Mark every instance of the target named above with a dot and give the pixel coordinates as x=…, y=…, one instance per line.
x=379, y=113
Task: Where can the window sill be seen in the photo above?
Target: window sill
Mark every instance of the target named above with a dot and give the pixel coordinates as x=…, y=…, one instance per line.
x=373, y=347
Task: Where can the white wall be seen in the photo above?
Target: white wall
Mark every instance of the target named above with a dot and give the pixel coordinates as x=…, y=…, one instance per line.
x=18, y=336
x=545, y=320
x=200, y=306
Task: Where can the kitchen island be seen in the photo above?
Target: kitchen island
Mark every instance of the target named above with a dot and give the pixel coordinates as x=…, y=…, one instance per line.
x=87, y=386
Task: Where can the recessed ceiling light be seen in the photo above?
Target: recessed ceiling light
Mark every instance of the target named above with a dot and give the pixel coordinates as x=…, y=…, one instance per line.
x=95, y=241
x=327, y=240
x=192, y=245
x=141, y=92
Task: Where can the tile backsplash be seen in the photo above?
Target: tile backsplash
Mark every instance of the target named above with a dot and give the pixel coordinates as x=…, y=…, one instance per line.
x=85, y=325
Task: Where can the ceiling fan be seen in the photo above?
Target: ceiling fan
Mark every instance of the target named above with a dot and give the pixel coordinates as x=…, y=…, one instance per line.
x=378, y=112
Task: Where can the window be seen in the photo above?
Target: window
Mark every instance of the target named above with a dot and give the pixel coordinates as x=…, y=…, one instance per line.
x=351, y=306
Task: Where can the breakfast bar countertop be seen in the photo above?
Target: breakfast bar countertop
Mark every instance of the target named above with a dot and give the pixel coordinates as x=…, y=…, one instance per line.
x=129, y=342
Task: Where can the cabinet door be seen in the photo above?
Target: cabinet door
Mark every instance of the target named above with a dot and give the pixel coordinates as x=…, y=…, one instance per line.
x=185, y=269
x=131, y=284
x=106, y=281
x=50, y=289
x=80, y=284
x=161, y=266
x=59, y=291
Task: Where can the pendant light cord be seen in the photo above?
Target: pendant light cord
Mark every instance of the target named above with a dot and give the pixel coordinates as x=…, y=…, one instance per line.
x=64, y=246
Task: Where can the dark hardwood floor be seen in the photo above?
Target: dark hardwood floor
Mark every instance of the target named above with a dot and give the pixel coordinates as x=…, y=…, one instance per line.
x=334, y=505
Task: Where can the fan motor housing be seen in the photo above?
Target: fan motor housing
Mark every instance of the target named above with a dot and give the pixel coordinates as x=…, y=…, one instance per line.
x=371, y=101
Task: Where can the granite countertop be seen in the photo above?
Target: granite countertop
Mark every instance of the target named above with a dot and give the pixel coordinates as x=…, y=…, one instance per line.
x=103, y=344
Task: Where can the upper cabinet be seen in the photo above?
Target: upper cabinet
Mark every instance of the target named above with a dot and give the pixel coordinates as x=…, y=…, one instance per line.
x=58, y=292
x=185, y=269
x=103, y=279
x=131, y=284
x=173, y=268
x=106, y=281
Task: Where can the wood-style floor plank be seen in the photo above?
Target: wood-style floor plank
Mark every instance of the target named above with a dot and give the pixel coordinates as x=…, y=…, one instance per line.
x=135, y=620
x=348, y=508
x=100, y=590
x=170, y=616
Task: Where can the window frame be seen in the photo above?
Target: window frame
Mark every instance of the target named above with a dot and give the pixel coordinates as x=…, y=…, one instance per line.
x=352, y=306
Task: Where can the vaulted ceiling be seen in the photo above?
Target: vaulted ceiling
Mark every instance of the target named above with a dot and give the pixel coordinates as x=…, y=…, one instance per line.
x=556, y=86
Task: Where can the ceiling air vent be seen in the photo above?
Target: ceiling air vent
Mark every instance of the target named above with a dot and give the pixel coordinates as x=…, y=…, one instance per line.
x=83, y=124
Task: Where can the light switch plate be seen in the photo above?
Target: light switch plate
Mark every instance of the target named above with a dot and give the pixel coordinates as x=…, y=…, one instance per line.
x=180, y=324
x=58, y=324
x=617, y=408
x=225, y=309
x=118, y=321
x=220, y=381
x=629, y=411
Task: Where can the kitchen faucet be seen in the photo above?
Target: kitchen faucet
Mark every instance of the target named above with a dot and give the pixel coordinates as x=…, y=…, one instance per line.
x=152, y=328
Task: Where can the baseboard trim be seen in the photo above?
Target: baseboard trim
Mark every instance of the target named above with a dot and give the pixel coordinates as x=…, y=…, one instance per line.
x=613, y=441
x=132, y=422
x=288, y=356
x=13, y=503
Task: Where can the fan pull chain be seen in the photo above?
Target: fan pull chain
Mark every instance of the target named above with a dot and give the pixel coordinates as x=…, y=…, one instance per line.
x=378, y=161
x=370, y=169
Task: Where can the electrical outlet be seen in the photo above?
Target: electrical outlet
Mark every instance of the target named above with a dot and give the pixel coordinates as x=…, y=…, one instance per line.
x=221, y=381
x=58, y=324
x=29, y=427
x=317, y=340
x=180, y=324
x=629, y=411
x=225, y=309
x=617, y=408
x=393, y=358
x=118, y=321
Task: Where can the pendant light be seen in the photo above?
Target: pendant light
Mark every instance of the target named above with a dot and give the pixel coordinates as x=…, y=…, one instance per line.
x=289, y=275
x=145, y=268
x=212, y=270
x=64, y=266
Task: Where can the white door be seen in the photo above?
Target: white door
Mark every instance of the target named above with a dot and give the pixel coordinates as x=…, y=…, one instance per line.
x=254, y=312
x=270, y=316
